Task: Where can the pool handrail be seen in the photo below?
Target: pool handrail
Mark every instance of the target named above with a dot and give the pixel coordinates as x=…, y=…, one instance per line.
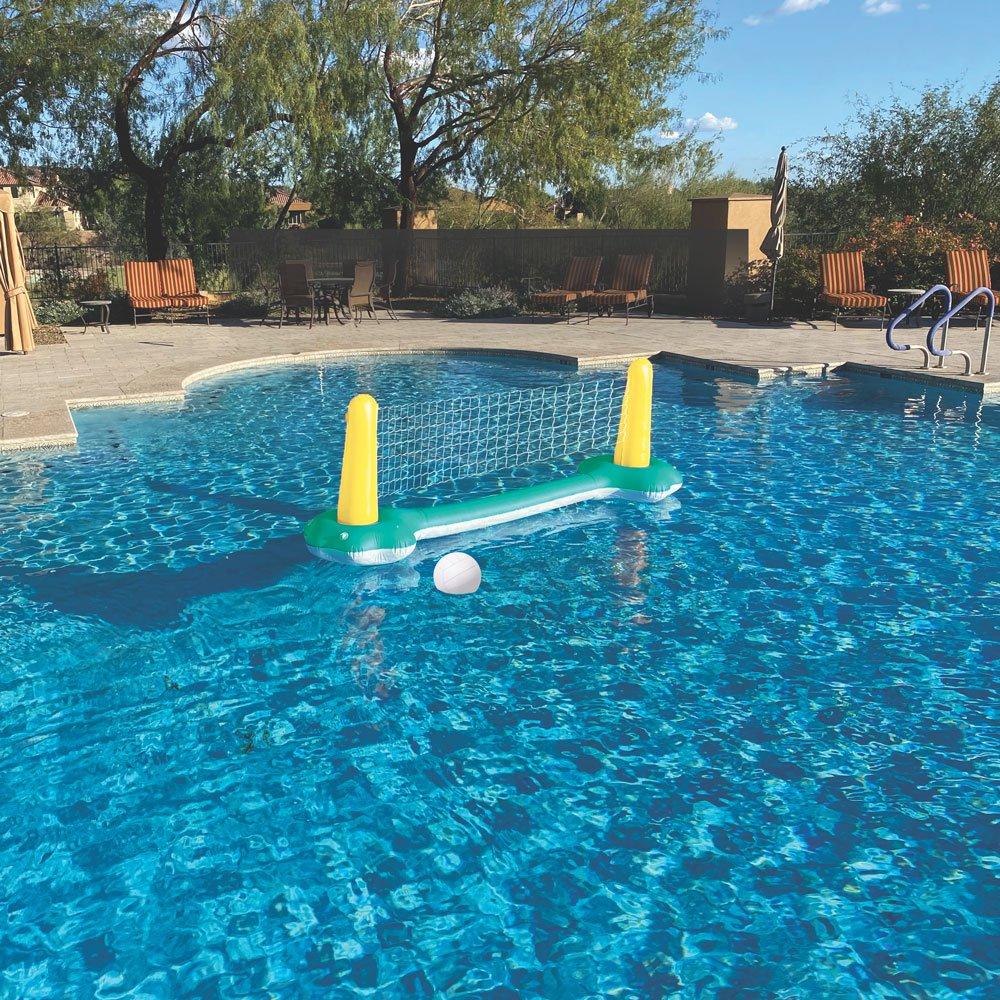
x=907, y=313
x=944, y=351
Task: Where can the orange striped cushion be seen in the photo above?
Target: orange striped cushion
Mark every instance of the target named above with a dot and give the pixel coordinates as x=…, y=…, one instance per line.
x=632, y=271
x=178, y=277
x=142, y=281
x=150, y=303
x=981, y=300
x=843, y=273
x=171, y=302
x=855, y=300
x=582, y=274
x=188, y=301
x=968, y=269
x=614, y=295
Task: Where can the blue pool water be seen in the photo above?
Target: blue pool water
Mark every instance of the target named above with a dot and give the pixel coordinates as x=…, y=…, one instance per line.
x=740, y=746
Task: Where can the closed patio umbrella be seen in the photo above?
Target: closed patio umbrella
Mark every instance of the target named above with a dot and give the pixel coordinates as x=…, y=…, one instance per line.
x=18, y=316
x=773, y=246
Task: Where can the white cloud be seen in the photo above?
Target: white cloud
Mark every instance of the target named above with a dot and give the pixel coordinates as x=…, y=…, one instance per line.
x=876, y=8
x=670, y=135
x=712, y=123
x=798, y=6
x=784, y=9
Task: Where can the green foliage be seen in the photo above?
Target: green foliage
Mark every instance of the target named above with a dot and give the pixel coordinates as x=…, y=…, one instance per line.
x=652, y=200
x=57, y=312
x=528, y=92
x=48, y=51
x=904, y=253
x=490, y=301
x=934, y=159
x=908, y=252
x=41, y=226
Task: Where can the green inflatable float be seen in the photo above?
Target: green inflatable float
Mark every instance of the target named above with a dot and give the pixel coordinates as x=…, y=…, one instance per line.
x=360, y=533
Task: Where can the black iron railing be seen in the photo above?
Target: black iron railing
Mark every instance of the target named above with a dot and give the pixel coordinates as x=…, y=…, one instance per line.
x=435, y=261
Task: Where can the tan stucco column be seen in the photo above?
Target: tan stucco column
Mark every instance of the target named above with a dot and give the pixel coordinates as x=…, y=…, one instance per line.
x=726, y=234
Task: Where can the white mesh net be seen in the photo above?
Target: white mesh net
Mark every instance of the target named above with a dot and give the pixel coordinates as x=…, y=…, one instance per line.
x=428, y=443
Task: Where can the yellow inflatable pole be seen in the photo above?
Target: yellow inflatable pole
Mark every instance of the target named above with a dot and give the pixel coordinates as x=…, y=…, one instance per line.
x=633, y=447
x=358, y=499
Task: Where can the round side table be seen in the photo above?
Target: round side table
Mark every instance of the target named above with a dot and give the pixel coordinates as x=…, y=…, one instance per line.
x=103, y=317
x=910, y=295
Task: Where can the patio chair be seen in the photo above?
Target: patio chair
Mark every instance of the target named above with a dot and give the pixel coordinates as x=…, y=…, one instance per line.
x=362, y=293
x=967, y=271
x=629, y=287
x=580, y=283
x=295, y=291
x=383, y=290
x=844, y=287
x=166, y=287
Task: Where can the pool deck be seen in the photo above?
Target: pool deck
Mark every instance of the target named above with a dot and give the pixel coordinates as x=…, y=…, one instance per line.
x=156, y=362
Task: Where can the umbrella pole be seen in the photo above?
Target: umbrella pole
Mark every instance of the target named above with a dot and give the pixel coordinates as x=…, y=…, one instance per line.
x=774, y=283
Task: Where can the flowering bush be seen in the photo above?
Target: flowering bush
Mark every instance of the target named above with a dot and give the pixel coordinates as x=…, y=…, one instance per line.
x=898, y=253
x=908, y=252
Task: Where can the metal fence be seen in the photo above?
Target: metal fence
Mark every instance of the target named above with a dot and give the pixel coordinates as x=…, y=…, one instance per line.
x=420, y=261
x=94, y=270
x=445, y=260
x=823, y=242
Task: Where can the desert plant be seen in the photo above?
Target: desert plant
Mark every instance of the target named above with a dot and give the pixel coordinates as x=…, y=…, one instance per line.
x=481, y=302
x=57, y=312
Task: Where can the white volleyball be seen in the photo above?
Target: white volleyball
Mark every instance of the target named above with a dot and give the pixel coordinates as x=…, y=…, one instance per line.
x=457, y=573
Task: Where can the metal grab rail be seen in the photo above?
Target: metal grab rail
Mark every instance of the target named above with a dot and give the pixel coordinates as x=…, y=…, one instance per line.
x=944, y=352
x=907, y=313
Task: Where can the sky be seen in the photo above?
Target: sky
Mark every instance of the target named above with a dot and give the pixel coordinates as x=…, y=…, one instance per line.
x=790, y=70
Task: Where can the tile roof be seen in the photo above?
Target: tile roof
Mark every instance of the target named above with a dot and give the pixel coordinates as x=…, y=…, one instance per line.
x=29, y=175
x=278, y=197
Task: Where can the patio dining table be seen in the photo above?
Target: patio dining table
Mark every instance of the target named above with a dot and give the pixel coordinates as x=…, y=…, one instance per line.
x=331, y=290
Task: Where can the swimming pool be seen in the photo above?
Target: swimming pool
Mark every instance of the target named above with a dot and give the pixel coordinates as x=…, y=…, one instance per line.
x=735, y=747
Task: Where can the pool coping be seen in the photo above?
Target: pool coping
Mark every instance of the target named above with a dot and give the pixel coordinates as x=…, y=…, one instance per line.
x=759, y=374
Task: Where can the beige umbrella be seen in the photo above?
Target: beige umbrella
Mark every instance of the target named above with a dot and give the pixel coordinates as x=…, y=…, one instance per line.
x=773, y=247
x=18, y=316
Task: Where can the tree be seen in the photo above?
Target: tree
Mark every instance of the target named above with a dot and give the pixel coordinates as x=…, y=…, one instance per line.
x=934, y=159
x=49, y=49
x=205, y=78
x=545, y=91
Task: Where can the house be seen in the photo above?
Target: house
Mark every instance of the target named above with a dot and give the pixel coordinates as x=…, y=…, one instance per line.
x=32, y=190
x=277, y=198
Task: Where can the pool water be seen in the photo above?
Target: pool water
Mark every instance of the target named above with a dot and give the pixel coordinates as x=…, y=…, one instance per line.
x=739, y=745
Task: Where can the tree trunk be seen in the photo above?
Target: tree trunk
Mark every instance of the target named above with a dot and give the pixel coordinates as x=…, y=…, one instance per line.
x=408, y=209
x=407, y=190
x=157, y=245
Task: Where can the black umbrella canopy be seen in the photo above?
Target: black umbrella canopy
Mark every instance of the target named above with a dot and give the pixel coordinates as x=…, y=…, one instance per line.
x=773, y=246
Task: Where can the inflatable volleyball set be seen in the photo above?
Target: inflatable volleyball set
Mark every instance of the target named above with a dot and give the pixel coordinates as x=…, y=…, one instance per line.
x=362, y=533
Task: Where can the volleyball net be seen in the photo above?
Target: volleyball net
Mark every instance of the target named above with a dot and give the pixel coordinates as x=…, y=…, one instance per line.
x=403, y=449
x=424, y=444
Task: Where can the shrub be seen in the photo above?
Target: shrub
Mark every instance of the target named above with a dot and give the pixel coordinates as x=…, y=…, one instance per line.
x=898, y=253
x=93, y=286
x=907, y=251
x=484, y=302
x=248, y=304
x=795, y=291
x=57, y=312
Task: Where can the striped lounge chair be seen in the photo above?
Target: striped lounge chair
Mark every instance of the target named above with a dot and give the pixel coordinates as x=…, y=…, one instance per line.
x=844, y=287
x=165, y=287
x=629, y=286
x=581, y=280
x=967, y=271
